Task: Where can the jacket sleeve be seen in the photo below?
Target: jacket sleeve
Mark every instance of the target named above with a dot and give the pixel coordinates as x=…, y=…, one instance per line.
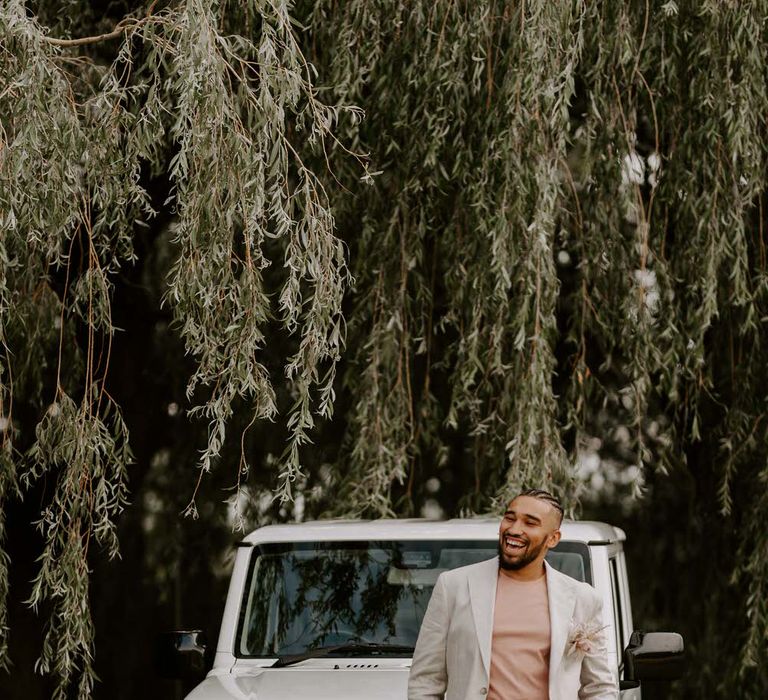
x=598, y=681
x=428, y=679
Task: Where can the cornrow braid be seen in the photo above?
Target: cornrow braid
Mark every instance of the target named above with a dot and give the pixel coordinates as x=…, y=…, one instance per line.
x=543, y=495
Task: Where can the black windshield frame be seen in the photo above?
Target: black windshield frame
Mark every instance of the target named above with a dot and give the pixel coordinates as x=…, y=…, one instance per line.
x=273, y=548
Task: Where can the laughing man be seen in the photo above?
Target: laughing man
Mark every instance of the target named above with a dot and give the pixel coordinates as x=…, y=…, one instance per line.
x=512, y=627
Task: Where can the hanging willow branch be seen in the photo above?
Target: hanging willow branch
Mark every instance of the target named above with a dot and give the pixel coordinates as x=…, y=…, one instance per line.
x=71, y=196
x=240, y=181
x=562, y=237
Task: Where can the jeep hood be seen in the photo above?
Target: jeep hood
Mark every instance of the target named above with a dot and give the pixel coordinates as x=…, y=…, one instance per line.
x=302, y=683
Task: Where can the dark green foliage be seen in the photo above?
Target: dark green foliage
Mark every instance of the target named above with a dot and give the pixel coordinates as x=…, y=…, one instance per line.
x=547, y=233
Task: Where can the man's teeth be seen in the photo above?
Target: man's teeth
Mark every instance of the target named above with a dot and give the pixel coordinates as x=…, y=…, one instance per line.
x=515, y=544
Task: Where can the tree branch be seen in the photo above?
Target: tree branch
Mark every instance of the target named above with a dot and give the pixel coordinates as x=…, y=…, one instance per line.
x=122, y=27
x=90, y=39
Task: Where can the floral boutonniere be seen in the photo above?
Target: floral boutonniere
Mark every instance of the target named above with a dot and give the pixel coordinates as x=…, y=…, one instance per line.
x=586, y=637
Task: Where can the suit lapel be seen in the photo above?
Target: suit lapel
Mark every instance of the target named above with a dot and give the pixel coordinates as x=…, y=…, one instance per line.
x=562, y=601
x=482, y=594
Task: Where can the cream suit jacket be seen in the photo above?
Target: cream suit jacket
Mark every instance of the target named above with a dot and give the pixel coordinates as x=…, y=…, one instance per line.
x=453, y=652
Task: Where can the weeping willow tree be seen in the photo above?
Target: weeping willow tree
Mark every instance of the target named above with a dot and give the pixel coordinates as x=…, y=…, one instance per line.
x=511, y=226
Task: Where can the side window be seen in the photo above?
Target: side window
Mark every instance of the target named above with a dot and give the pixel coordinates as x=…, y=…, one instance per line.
x=572, y=559
x=618, y=617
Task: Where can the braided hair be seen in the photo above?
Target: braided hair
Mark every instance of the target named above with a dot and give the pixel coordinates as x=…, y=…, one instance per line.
x=546, y=496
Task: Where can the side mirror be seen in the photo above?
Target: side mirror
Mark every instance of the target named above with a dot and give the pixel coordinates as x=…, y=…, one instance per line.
x=182, y=655
x=654, y=656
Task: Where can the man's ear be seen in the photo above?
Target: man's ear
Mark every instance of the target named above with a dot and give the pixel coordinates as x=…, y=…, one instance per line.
x=554, y=538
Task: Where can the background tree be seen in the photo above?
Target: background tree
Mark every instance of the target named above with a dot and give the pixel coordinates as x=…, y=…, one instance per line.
x=539, y=259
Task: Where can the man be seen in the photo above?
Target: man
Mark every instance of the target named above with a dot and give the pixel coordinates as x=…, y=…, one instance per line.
x=514, y=628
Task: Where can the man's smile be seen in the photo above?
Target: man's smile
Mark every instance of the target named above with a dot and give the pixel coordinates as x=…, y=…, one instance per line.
x=514, y=544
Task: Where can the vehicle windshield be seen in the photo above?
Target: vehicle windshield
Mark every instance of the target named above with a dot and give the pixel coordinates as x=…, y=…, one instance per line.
x=305, y=595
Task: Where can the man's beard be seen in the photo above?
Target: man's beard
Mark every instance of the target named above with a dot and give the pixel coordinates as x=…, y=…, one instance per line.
x=526, y=559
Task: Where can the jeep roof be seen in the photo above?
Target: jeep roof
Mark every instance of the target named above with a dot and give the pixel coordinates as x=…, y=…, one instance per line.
x=589, y=532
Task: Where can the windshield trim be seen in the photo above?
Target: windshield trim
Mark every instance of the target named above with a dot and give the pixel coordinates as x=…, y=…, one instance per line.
x=262, y=548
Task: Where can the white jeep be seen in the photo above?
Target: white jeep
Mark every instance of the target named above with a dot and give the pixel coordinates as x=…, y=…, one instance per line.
x=332, y=609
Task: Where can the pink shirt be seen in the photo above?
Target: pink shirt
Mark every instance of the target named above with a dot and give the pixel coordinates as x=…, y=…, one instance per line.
x=520, y=644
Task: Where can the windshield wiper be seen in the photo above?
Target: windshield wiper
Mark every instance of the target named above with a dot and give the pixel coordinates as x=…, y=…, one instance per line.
x=371, y=648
